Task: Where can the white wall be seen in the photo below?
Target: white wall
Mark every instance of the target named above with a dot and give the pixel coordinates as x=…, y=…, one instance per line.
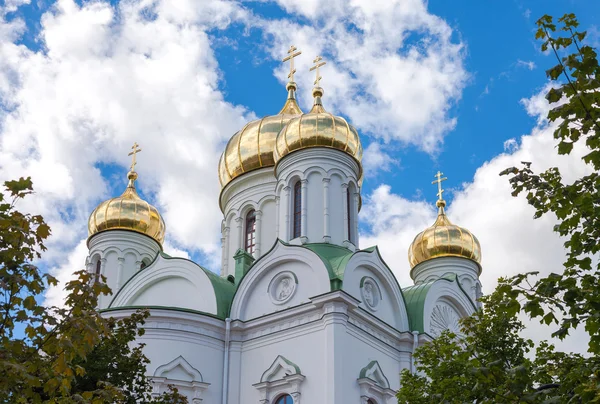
x=253, y=190
x=313, y=166
x=120, y=253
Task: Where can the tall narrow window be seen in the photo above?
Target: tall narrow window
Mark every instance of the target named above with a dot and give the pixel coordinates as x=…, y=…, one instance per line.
x=297, y=229
x=250, y=241
x=349, y=205
x=98, y=268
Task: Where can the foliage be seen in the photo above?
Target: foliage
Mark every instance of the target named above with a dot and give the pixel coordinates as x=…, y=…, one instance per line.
x=572, y=297
x=491, y=363
x=60, y=354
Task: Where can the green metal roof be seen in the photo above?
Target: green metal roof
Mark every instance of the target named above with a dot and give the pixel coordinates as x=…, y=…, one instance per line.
x=335, y=259
x=415, y=304
x=415, y=297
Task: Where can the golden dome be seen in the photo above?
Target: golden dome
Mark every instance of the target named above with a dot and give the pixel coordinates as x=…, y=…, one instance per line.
x=128, y=212
x=444, y=239
x=252, y=147
x=318, y=128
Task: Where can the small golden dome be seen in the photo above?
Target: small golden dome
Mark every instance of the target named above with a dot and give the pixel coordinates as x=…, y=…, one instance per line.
x=318, y=128
x=252, y=147
x=128, y=212
x=444, y=239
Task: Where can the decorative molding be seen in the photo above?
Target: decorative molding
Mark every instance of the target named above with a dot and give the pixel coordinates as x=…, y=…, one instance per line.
x=282, y=377
x=282, y=287
x=370, y=293
x=373, y=384
x=444, y=317
x=161, y=382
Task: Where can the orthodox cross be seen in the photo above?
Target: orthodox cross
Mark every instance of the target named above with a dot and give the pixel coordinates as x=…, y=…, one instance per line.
x=136, y=150
x=291, y=55
x=318, y=64
x=438, y=181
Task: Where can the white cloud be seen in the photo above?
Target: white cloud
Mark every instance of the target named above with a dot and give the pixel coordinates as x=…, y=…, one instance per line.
x=393, y=68
x=376, y=160
x=107, y=76
x=526, y=64
x=511, y=145
x=512, y=241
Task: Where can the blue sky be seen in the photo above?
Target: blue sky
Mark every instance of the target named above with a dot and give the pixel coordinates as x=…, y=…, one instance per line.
x=450, y=86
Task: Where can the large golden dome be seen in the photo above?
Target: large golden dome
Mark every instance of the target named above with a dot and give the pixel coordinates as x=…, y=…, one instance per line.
x=252, y=147
x=444, y=239
x=128, y=212
x=318, y=128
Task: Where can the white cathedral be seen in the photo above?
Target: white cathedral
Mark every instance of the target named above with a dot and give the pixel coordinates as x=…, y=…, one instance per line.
x=300, y=313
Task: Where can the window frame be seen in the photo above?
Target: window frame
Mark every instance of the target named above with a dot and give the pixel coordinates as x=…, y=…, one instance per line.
x=250, y=233
x=285, y=398
x=297, y=210
x=98, y=271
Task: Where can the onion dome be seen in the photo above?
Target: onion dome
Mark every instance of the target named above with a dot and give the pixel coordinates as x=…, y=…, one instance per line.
x=318, y=128
x=128, y=212
x=252, y=147
x=444, y=239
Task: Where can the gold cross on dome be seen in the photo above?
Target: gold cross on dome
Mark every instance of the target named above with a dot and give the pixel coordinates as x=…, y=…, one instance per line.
x=136, y=150
x=291, y=55
x=318, y=64
x=438, y=181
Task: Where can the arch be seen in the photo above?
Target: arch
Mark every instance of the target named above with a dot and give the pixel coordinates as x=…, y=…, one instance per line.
x=369, y=262
x=284, y=399
x=279, y=368
x=166, y=274
x=374, y=385
x=179, y=362
x=315, y=169
x=276, y=260
x=373, y=371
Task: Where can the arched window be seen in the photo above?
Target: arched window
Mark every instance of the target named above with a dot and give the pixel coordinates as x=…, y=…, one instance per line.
x=145, y=263
x=98, y=268
x=349, y=213
x=371, y=401
x=250, y=240
x=297, y=228
x=287, y=399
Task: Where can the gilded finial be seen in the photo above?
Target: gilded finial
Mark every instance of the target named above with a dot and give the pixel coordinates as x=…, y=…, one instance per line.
x=132, y=175
x=291, y=55
x=441, y=203
x=318, y=64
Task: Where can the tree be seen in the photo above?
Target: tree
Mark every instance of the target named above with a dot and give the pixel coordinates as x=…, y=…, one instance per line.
x=570, y=298
x=491, y=363
x=60, y=354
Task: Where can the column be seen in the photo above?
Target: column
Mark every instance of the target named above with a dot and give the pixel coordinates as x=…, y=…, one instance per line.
x=345, y=203
x=303, y=188
x=326, y=236
x=355, y=216
x=277, y=216
x=287, y=207
x=119, y=274
x=225, y=240
x=258, y=216
x=240, y=221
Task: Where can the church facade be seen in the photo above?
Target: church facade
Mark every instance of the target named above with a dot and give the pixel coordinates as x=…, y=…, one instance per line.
x=301, y=312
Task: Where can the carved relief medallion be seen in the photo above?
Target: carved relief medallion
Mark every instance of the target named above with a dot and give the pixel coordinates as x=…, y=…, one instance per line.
x=370, y=293
x=282, y=287
x=444, y=317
